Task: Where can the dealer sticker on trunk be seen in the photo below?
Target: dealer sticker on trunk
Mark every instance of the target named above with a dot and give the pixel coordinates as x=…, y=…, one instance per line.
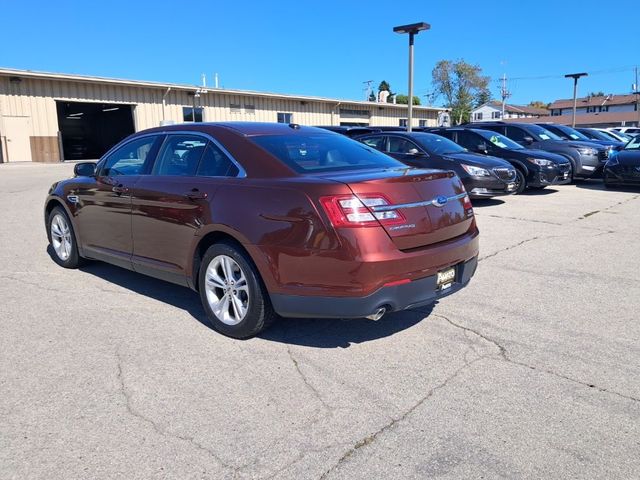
x=445, y=278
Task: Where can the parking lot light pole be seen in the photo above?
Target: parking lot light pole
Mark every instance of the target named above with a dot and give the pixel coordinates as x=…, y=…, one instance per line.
x=412, y=29
x=575, y=77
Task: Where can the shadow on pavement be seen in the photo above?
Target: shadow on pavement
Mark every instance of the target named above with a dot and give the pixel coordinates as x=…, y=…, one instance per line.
x=532, y=192
x=310, y=332
x=599, y=185
x=486, y=202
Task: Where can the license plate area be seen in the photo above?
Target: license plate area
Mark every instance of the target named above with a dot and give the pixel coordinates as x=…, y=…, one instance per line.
x=445, y=278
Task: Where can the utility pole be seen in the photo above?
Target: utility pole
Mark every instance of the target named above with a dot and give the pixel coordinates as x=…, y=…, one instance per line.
x=368, y=88
x=575, y=77
x=504, y=93
x=637, y=92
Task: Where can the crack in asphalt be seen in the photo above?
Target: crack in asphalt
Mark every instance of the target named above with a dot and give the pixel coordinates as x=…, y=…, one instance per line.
x=369, y=439
x=306, y=381
x=156, y=427
x=505, y=217
x=511, y=247
x=505, y=356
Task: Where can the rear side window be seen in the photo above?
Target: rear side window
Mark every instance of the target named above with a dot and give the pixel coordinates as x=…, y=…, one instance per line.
x=179, y=155
x=317, y=152
x=214, y=163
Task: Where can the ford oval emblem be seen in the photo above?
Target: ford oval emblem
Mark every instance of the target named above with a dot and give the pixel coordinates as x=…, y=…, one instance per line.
x=440, y=201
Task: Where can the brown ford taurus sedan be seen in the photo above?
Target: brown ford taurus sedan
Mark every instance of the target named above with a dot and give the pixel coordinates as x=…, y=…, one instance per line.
x=268, y=219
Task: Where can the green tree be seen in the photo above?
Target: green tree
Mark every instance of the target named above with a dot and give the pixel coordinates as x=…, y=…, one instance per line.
x=538, y=104
x=483, y=97
x=384, y=85
x=404, y=99
x=462, y=86
x=599, y=93
x=372, y=97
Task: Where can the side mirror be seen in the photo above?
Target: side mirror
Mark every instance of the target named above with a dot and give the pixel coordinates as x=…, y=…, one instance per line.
x=528, y=140
x=85, y=169
x=416, y=153
x=482, y=148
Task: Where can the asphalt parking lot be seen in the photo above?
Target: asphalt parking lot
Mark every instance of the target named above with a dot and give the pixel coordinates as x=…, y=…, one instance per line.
x=533, y=371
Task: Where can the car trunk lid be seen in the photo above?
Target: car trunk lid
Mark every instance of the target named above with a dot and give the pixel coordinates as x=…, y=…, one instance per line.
x=432, y=204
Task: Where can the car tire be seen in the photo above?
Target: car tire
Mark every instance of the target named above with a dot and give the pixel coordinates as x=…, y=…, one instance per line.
x=520, y=181
x=62, y=239
x=232, y=293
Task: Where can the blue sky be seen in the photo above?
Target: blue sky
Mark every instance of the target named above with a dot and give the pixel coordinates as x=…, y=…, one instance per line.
x=328, y=48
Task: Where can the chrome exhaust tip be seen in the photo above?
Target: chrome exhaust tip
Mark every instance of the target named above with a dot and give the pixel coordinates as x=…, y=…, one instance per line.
x=377, y=315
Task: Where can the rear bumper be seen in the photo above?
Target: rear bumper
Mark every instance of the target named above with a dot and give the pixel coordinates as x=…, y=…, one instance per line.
x=400, y=297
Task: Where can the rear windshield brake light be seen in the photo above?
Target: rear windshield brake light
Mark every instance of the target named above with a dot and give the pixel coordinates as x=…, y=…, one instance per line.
x=352, y=211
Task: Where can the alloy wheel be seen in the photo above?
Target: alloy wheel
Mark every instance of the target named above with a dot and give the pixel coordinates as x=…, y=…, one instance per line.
x=227, y=290
x=61, y=237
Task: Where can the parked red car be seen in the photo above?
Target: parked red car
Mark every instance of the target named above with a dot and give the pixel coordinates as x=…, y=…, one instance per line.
x=265, y=219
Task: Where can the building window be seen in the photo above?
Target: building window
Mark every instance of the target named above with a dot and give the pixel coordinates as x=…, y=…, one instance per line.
x=191, y=114
x=422, y=123
x=402, y=122
x=478, y=116
x=555, y=113
x=235, y=108
x=250, y=109
x=495, y=115
x=285, y=117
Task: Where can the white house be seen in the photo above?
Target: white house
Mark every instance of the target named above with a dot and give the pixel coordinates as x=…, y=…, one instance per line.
x=493, y=111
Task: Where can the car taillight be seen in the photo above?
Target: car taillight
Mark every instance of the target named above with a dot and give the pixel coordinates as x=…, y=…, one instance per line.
x=352, y=211
x=466, y=203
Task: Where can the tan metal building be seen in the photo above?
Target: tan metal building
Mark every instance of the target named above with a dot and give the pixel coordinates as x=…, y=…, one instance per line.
x=49, y=117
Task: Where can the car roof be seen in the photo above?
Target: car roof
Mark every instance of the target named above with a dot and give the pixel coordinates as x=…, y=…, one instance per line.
x=245, y=128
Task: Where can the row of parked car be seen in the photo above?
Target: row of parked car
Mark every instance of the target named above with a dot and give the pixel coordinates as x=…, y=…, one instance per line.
x=500, y=158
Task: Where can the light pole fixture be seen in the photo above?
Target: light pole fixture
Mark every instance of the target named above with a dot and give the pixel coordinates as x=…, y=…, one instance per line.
x=575, y=77
x=412, y=29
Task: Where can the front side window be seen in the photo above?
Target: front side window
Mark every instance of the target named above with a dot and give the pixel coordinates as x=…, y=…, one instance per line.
x=285, y=117
x=192, y=114
x=128, y=159
x=634, y=144
x=501, y=141
x=516, y=134
x=402, y=146
x=437, y=145
x=375, y=142
x=468, y=140
x=215, y=163
x=179, y=155
x=317, y=152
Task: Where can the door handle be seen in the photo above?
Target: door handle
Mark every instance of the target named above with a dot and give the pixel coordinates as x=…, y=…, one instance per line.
x=196, y=194
x=120, y=189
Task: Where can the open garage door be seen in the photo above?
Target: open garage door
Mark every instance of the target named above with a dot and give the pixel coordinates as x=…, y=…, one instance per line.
x=88, y=130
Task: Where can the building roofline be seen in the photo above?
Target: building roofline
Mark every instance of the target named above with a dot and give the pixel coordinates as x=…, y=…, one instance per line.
x=187, y=87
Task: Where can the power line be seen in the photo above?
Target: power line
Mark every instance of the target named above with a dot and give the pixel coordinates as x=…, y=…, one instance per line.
x=594, y=72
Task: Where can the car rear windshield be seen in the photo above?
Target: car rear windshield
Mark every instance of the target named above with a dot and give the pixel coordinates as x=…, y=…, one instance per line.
x=323, y=152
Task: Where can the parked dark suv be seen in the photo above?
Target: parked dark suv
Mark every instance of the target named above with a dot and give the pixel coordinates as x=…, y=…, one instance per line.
x=534, y=168
x=482, y=176
x=268, y=218
x=570, y=133
x=587, y=159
